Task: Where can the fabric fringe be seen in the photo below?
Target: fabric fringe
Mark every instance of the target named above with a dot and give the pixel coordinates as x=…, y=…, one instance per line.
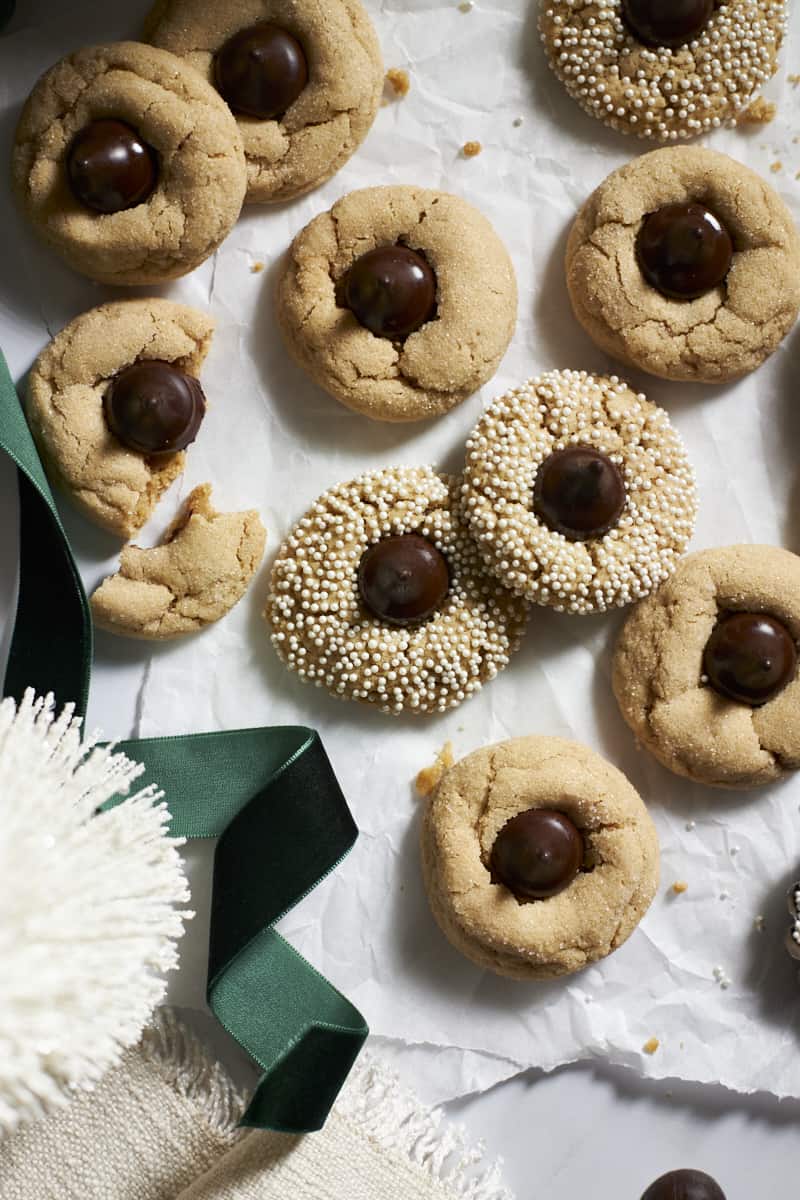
x=389, y=1114
x=194, y=1074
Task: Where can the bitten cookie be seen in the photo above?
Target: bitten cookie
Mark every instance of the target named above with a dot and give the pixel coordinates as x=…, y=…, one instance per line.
x=686, y=264
x=663, y=70
x=379, y=595
x=134, y=363
x=705, y=670
x=128, y=164
x=538, y=856
x=400, y=301
x=578, y=492
x=303, y=78
x=199, y=572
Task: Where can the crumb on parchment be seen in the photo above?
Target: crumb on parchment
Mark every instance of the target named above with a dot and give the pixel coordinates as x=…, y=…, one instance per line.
x=429, y=777
x=256, y=268
x=793, y=80
x=471, y=149
x=760, y=112
x=651, y=1045
x=776, y=167
x=679, y=887
x=399, y=81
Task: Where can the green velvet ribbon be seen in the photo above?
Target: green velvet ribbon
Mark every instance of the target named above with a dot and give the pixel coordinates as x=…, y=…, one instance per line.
x=269, y=795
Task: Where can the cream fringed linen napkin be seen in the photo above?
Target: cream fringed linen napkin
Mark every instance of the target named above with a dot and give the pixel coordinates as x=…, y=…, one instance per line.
x=161, y=1126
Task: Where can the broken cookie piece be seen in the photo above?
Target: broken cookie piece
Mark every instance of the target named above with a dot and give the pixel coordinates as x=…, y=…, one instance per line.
x=198, y=573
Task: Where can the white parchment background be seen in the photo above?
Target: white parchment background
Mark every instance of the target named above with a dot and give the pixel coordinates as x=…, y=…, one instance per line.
x=274, y=441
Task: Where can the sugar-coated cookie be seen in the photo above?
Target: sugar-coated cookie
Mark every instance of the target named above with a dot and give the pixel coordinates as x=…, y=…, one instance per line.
x=578, y=492
x=686, y=264
x=705, y=670
x=378, y=594
x=538, y=856
x=99, y=357
x=128, y=164
x=303, y=77
x=201, y=569
x=661, y=69
x=400, y=301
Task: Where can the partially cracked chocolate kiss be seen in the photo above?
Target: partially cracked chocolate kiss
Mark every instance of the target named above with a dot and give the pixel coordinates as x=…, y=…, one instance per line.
x=579, y=492
x=154, y=408
x=391, y=290
x=684, y=250
x=750, y=657
x=667, y=23
x=110, y=167
x=261, y=71
x=403, y=579
x=537, y=854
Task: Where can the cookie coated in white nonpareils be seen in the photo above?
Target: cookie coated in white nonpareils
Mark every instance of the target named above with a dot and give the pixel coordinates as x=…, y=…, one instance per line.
x=506, y=451
x=665, y=93
x=322, y=629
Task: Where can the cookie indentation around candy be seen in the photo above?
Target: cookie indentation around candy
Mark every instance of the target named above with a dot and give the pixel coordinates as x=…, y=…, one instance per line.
x=684, y=250
x=154, y=408
x=403, y=580
x=111, y=168
x=391, y=290
x=537, y=854
x=261, y=71
x=579, y=492
x=750, y=657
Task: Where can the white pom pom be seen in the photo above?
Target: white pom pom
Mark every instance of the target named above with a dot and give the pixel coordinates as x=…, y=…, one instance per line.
x=88, y=916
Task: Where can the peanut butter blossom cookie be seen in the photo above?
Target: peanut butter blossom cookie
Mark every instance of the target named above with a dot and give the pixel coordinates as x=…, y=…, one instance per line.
x=114, y=401
x=686, y=264
x=303, y=78
x=538, y=856
x=400, y=301
x=663, y=69
x=128, y=164
x=706, y=669
x=379, y=595
x=578, y=492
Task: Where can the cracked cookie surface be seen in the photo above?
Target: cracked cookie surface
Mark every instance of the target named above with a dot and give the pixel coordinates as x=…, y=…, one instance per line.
x=113, y=486
x=725, y=333
x=201, y=569
x=660, y=92
x=333, y=114
x=322, y=630
x=505, y=453
x=658, y=669
x=444, y=361
x=601, y=907
x=201, y=169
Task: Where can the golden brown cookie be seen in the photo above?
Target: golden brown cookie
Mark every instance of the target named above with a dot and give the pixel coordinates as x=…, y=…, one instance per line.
x=201, y=569
x=468, y=314
x=676, y=652
x=113, y=485
x=378, y=594
x=693, y=69
x=729, y=329
x=465, y=843
x=151, y=150
x=332, y=44
x=578, y=492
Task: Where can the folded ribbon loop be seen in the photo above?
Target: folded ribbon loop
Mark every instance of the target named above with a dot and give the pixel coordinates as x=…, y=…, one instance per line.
x=270, y=795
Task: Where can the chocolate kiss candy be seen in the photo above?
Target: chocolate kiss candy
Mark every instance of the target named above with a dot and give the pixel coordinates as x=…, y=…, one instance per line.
x=684, y=251
x=391, y=290
x=684, y=1185
x=537, y=854
x=750, y=657
x=403, y=579
x=261, y=71
x=154, y=408
x=667, y=22
x=110, y=167
x=579, y=492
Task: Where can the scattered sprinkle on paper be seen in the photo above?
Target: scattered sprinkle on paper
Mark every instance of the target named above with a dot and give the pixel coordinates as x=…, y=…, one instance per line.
x=722, y=978
x=257, y=268
x=679, y=887
x=399, y=81
x=760, y=112
x=651, y=1045
x=471, y=149
x=428, y=778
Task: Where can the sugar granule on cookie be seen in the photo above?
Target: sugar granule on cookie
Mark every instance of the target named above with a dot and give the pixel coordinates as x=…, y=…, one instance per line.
x=578, y=492
x=659, y=72
x=379, y=595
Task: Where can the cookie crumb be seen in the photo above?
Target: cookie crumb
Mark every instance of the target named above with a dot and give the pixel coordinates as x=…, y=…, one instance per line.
x=651, y=1045
x=680, y=887
x=793, y=80
x=428, y=778
x=257, y=268
x=517, y=122
x=760, y=112
x=776, y=167
x=466, y=6
x=471, y=149
x=399, y=81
